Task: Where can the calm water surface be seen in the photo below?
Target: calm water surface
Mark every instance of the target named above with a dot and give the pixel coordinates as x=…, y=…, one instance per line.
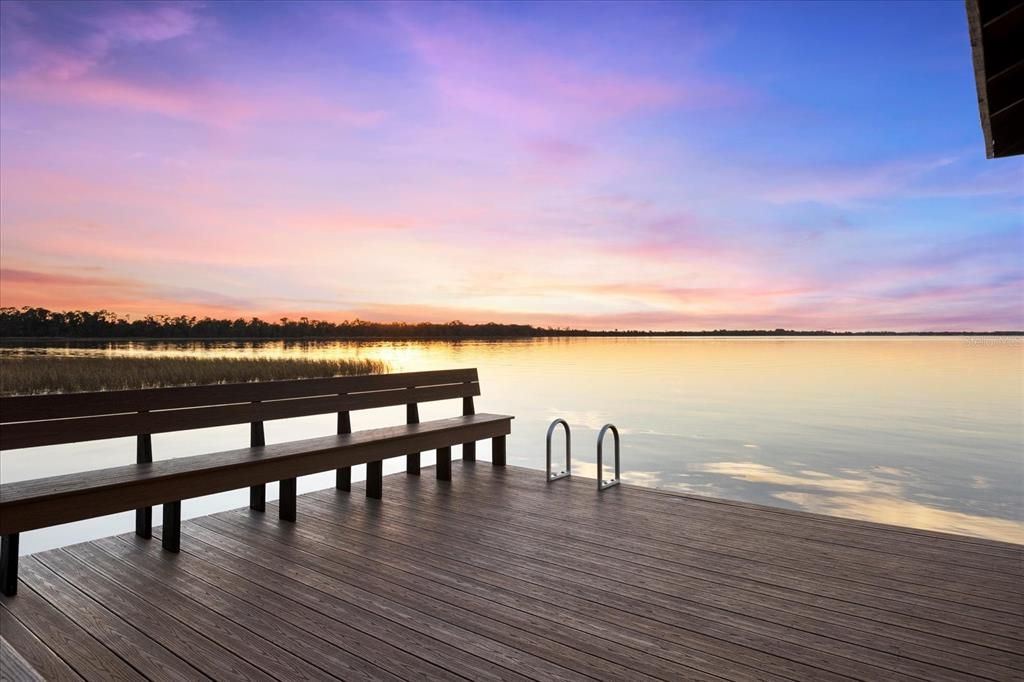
x=922, y=432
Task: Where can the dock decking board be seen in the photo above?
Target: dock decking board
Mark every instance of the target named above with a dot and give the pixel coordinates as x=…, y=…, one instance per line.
x=13, y=667
x=696, y=599
x=560, y=618
x=998, y=612
x=706, y=534
x=16, y=638
x=610, y=655
x=540, y=558
x=497, y=575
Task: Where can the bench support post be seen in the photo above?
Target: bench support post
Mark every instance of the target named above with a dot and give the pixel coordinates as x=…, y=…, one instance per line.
x=468, y=449
x=172, y=526
x=375, y=479
x=9, y=564
x=286, y=503
x=444, y=463
x=257, y=493
x=343, y=479
x=498, y=451
x=343, y=476
x=412, y=460
x=144, y=516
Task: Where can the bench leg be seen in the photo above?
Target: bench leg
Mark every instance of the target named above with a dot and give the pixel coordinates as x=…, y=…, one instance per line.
x=172, y=526
x=412, y=460
x=375, y=480
x=144, y=522
x=9, y=565
x=257, y=493
x=343, y=476
x=258, y=497
x=343, y=479
x=469, y=452
x=498, y=451
x=286, y=503
x=144, y=516
x=444, y=463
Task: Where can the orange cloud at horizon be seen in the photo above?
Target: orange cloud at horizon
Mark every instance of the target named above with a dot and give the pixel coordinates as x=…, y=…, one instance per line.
x=137, y=299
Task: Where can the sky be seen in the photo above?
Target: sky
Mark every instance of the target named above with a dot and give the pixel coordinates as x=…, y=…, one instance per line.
x=813, y=165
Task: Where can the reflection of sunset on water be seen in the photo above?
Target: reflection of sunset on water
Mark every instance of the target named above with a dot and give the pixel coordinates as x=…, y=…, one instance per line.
x=923, y=432
x=897, y=512
x=862, y=495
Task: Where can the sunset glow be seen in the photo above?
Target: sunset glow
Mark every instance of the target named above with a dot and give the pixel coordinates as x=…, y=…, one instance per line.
x=654, y=166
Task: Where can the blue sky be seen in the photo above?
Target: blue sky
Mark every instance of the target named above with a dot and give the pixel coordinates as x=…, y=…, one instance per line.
x=662, y=165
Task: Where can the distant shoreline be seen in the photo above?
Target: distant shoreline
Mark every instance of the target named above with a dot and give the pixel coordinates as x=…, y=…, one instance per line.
x=7, y=340
x=39, y=324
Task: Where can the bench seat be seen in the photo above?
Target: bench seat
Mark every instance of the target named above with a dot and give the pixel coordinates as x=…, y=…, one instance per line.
x=52, y=419
x=38, y=503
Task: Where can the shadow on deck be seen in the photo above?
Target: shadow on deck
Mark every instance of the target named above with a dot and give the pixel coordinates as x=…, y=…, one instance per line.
x=497, y=575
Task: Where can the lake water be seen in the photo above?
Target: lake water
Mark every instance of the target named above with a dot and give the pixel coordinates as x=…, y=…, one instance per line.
x=914, y=431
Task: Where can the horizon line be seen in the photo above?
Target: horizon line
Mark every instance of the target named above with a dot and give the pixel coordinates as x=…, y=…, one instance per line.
x=112, y=319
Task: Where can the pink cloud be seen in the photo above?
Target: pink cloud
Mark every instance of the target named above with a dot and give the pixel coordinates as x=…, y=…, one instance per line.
x=559, y=153
x=14, y=276
x=536, y=98
x=101, y=31
x=67, y=289
x=76, y=74
x=492, y=71
x=209, y=104
x=146, y=24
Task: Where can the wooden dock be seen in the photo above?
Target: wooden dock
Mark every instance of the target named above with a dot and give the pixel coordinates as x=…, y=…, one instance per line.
x=497, y=575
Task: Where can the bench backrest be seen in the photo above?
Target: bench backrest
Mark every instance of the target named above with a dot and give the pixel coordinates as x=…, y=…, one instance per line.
x=29, y=421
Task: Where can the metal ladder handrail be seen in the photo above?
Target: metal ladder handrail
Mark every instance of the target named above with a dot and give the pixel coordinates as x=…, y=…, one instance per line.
x=567, y=472
x=601, y=483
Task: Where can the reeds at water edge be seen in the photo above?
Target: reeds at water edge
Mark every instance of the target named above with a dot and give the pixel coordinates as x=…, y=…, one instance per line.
x=35, y=374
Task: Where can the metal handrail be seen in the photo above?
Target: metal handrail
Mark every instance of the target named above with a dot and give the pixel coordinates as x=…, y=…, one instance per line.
x=565, y=473
x=601, y=483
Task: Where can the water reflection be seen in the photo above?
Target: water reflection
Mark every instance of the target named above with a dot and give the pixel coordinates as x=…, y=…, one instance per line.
x=901, y=512
x=922, y=432
x=879, y=494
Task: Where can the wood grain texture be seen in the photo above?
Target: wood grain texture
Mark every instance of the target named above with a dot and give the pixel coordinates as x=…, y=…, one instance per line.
x=14, y=667
x=142, y=652
x=33, y=650
x=329, y=645
x=66, y=405
x=72, y=651
x=496, y=575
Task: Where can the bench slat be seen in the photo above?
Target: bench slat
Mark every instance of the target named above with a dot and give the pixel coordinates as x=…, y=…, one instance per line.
x=27, y=505
x=65, y=405
x=80, y=429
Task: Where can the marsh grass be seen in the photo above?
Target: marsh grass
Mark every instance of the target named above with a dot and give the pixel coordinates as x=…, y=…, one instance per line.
x=33, y=374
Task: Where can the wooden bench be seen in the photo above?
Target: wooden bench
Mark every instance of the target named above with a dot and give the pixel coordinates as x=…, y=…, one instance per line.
x=32, y=421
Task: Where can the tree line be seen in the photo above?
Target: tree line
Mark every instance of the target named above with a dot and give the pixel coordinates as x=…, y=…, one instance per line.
x=40, y=322
x=29, y=322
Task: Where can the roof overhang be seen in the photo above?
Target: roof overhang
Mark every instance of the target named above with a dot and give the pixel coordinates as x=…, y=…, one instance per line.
x=997, y=41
